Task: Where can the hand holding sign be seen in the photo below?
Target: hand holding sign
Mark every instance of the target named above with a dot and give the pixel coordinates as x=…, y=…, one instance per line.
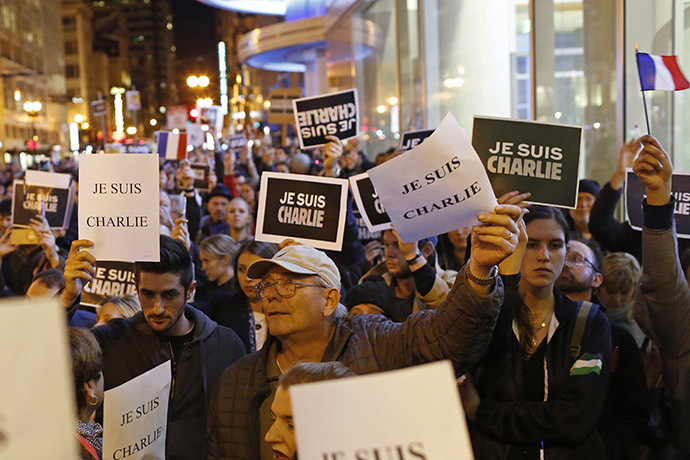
x=80, y=268
x=180, y=232
x=6, y=245
x=494, y=240
x=46, y=239
x=332, y=152
x=653, y=167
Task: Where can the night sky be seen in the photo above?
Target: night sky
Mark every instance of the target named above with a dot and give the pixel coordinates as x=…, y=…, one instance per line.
x=196, y=38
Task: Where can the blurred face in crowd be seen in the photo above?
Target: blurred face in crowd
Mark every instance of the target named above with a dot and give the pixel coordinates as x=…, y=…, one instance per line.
x=281, y=435
x=107, y=312
x=238, y=214
x=282, y=168
x=214, y=267
x=584, y=206
x=365, y=309
x=162, y=299
x=247, y=193
x=247, y=284
x=545, y=253
x=280, y=156
x=5, y=222
x=299, y=314
x=577, y=277
x=395, y=262
x=616, y=300
x=458, y=238
x=351, y=158
x=218, y=208
x=39, y=290
x=164, y=202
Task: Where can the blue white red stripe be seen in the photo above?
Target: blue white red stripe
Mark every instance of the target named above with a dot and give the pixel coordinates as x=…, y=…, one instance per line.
x=171, y=145
x=660, y=73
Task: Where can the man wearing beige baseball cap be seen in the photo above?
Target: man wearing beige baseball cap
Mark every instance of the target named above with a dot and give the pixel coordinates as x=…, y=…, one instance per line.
x=300, y=290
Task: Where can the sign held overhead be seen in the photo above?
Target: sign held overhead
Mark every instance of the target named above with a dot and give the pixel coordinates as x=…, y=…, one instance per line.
x=334, y=114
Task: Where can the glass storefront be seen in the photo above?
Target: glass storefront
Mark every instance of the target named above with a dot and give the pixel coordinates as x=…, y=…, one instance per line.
x=558, y=61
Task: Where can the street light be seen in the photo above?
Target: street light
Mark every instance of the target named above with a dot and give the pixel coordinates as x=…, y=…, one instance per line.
x=32, y=109
x=204, y=102
x=201, y=81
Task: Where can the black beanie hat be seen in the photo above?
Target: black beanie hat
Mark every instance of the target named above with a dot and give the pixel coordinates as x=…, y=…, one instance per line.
x=589, y=186
x=373, y=290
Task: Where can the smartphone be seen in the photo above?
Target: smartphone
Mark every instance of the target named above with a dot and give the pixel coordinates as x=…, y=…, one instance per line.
x=23, y=236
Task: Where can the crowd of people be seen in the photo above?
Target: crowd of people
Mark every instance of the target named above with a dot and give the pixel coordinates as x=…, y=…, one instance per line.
x=567, y=329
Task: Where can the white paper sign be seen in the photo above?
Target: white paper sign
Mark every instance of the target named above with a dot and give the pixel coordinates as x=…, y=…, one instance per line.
x=48, y=179
x=135, y=416
x=412, y=413
x=37, y=380
x=118, y=206
x=438, y=186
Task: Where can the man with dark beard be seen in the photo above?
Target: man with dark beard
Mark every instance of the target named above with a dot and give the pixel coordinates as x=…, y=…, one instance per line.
x=581, y=273
x=624, y=416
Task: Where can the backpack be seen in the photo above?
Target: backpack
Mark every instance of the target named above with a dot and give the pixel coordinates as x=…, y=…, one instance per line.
x=584, y=309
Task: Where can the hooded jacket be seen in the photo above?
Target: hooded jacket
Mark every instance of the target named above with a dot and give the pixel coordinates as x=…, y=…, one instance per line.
x=130, y=348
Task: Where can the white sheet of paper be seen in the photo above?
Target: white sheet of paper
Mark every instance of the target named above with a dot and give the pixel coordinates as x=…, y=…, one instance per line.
x=47, y=179
x=133, y=235
x=135, y=416
x=37, y=410
x=438, y=186
x=415, y=409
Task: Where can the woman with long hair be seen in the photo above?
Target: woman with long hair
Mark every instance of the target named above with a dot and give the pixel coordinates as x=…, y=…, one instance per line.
x=245, y=296
x=538, y=391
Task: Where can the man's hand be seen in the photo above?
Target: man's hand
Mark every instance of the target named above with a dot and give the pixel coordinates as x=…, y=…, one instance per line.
x=469, y=396
x=331, y=153
x=80, y=269
x=185, y=175
x=653, y=167
x=495, y=239
x=46, y=239
x=180, y=232
x=626, y=158
x=372, y=250
x=5, y=246
x=408, y=250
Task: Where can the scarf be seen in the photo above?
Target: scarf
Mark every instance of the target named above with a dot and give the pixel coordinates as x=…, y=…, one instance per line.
x=92, y=432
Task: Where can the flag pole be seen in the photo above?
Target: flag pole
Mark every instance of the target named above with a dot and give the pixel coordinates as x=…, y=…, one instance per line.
x=644, y=98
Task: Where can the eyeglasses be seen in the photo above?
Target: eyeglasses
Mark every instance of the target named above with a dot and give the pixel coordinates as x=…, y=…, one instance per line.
x=283, y=288
x=578, y=260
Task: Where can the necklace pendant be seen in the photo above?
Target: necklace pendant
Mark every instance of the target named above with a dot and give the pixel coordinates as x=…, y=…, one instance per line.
x=543, y=324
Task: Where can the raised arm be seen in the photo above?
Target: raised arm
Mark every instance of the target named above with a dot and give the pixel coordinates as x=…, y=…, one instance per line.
x=663, y=289
x=461, y=328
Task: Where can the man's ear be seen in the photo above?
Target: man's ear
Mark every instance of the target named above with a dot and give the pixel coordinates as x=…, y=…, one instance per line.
x=598, y=279
x=190, y=290
x=332, y=299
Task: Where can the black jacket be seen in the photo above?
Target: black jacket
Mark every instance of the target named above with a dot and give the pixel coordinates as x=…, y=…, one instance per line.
x=131, y=347
x=566, y=421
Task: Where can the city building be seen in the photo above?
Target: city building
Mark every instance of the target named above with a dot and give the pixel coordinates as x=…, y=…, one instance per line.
x=151, y=51
x=570, y=62
x=31, y=71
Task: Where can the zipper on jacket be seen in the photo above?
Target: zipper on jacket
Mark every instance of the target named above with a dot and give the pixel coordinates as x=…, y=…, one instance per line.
x=174, y=372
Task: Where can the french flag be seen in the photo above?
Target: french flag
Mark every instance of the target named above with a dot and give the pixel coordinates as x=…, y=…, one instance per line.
x=660, y=73
x=171, y=146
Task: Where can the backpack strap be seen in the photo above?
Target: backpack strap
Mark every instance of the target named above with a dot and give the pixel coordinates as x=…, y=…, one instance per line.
x=583, y=308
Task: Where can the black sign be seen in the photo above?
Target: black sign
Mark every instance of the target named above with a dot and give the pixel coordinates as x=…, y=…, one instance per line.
x=237, y=142
x=112, y=279
x=26, y=204
x=540, y=158
x=201, y=172
x=411, y=139
x=136, y=148
x=334, y=114
x=680, y=188
x=369, y=204
x=98, y=108
x=309, y=209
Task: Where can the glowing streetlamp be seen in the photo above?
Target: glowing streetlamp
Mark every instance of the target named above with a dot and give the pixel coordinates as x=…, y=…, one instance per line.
x=198, y=81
